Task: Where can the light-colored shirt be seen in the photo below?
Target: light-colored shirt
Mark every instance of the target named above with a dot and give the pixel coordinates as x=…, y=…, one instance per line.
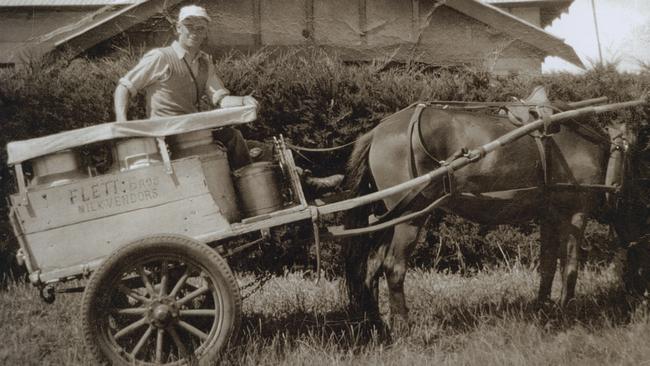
x=153, y=69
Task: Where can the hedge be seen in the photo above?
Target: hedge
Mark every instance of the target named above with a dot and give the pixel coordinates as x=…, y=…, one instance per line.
x=314, y=99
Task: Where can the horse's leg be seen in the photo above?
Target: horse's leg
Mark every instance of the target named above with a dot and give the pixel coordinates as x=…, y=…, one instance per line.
x=571, y=239
x=395, y=265
x=363, y=262
x=371, y=280
x=547, y=257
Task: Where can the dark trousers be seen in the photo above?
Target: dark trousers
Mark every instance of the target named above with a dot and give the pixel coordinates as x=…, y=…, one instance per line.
x=232, y=139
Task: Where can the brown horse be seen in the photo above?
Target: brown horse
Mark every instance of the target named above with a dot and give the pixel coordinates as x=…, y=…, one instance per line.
x=513, y=184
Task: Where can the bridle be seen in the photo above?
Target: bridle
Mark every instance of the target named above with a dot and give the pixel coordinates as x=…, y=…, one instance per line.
x=623, y=145
x=623, y=196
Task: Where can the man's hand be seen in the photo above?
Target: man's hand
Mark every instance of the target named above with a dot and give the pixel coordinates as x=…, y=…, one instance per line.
x=249, y=100
x=230, y=101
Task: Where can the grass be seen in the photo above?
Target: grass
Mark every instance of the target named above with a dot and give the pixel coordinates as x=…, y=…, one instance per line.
x=486, y=319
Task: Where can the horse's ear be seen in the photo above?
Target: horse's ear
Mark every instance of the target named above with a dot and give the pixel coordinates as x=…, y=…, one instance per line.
x=538, y=96
x=616, y=127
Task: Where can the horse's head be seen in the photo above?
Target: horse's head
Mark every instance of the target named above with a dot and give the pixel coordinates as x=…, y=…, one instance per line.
x=623, y=139
x=622, y=133
x=629, y=215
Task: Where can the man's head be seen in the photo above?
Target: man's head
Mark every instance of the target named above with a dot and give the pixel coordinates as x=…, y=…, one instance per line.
x=192, y=26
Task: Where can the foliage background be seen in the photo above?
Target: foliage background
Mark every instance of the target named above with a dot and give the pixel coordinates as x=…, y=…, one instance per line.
x=314, y=100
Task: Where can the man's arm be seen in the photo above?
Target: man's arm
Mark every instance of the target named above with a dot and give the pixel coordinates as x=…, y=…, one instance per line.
x=220, y=96
x=121, y=101
x=149, y=70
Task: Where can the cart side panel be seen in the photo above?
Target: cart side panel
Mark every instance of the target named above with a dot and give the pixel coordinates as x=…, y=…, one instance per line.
x=69, y=229
x=73, y=246
x=107, y=195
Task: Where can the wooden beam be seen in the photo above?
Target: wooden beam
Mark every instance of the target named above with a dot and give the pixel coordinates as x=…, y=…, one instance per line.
x=415, y=20
x=257, y=23
x=309, y=21
x=20, y=179
x=363, y=22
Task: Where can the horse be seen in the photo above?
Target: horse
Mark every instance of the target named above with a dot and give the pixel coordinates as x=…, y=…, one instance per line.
x=540, y=177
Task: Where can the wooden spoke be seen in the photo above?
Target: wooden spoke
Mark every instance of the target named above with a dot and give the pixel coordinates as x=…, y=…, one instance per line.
x=130, y=328
x=198, y=312
x=164, y=278
x=130, y=311
x=177, y=340
x=192, y=295
x=145, y=280
x=162, y=299
x=132, y=293
x=192, y=329
x=159, y=345
x=142, y=341
x=180, y=283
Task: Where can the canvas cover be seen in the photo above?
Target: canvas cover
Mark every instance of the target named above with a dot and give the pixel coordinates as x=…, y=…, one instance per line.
x=19, y=151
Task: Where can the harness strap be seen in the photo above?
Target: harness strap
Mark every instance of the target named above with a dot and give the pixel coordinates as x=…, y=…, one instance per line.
x=413, y=125
x=544, y=155
x=543, y=141
x=197, y=102
x=407, y=199
x=421, y=144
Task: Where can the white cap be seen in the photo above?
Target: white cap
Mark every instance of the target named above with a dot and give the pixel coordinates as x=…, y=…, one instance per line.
x=193, y=11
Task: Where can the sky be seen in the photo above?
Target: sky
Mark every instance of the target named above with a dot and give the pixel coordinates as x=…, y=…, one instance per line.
x=624, y=27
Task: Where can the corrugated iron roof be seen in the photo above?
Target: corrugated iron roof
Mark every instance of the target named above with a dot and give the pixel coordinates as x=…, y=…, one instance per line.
x=549, y=10
x=24, y=3
x=517, y=28
x=539, y=2
x=98, y=27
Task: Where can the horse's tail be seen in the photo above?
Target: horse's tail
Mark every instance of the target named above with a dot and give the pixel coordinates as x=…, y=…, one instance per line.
x=356, y=249
x=357, y=176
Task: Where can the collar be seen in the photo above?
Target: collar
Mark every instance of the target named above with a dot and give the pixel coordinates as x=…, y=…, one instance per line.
x=181, y=52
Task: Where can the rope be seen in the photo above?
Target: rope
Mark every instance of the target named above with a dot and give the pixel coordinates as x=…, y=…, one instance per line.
x=322, y=149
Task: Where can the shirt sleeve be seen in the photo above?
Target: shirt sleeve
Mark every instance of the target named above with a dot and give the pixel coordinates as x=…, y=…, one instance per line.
x=214, y=86
x=150, y=69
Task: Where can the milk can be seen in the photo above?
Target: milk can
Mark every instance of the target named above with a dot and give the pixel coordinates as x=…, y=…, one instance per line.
x=258, y=185
x=56, y=169
x=214, y=161
x=136, y=153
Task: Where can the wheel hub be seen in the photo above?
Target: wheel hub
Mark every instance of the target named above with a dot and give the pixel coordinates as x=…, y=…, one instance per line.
x=162, y=312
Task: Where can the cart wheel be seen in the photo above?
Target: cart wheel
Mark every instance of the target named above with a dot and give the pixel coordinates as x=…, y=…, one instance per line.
x=161, y=300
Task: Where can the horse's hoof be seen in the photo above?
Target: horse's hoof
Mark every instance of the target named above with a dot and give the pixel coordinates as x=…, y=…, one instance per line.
x=569, y=304
x=544, y=305
x=400, y=327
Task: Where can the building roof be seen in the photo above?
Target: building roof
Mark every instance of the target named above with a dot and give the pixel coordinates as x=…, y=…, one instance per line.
x=95, y=27
x=101, y=25
x=517, y=28
x=56, y=3
x=549, y=9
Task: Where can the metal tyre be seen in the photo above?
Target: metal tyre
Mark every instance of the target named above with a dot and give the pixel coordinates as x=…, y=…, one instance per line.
x=161, y=300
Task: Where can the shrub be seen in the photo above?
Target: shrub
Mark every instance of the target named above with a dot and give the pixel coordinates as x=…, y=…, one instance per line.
x=313, y=99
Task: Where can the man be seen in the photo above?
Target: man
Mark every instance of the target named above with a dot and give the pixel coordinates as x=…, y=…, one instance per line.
x=176, y=77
